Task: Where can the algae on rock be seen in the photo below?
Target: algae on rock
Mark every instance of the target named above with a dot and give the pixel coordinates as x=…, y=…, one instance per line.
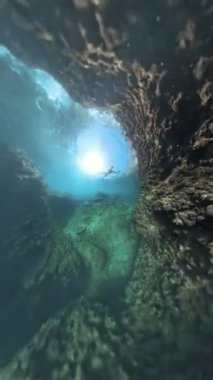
x=103, y=232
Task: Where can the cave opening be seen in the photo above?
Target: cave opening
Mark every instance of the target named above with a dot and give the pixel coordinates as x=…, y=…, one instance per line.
x=81, y=153
x=97, y=282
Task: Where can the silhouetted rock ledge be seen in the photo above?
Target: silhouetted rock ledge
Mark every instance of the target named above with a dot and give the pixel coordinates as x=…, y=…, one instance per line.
x=150, y=63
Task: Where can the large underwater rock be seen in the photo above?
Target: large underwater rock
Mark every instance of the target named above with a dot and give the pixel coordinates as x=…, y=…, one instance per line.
x=24, y=229
x=150, y=63
x=88, y=344
x=28, y=238
x=103, y=232
x=24, y=218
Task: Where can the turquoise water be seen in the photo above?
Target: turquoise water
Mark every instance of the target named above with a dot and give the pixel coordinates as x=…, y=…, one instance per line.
x=97, y=283
x=69, y=185
x=73, y=147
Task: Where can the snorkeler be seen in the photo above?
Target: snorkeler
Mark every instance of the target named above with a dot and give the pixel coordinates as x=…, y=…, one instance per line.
x=110, y=171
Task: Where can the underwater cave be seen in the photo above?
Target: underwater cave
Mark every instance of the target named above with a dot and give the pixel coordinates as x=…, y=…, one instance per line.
x=106, y=205
x=81, y=153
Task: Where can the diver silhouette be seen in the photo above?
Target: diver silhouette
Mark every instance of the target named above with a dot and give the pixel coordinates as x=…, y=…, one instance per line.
x=110, y=171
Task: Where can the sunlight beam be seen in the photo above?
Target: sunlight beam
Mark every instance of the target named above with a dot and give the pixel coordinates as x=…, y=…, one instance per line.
x=92, y=163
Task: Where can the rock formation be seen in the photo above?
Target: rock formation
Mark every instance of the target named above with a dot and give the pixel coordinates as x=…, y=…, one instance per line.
x=151, y=64
x=28, y=239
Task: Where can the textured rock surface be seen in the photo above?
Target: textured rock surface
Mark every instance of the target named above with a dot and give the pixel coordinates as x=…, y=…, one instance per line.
x=24, y=219
x=24, y=228
x=103, y=232
x=88, y=340
x=28, y=238
x=150, y=62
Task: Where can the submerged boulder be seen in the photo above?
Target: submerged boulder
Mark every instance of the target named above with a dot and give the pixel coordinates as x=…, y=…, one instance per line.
x=24, y=217
x=40, y=270
x=104, y=234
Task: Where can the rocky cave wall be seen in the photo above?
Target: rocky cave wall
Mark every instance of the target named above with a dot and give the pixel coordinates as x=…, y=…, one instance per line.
x=151, y=64
x=36, y=264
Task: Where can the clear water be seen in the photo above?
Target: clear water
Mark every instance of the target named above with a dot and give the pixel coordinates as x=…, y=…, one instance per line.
x=80, y=152
x=82, y=296
x=68, y=189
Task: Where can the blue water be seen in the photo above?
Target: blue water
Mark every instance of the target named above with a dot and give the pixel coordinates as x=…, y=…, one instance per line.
x=39, y=117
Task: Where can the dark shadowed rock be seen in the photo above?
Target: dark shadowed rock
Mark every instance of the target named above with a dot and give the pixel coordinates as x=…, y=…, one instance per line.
x=40, y=271
x=209, y=211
